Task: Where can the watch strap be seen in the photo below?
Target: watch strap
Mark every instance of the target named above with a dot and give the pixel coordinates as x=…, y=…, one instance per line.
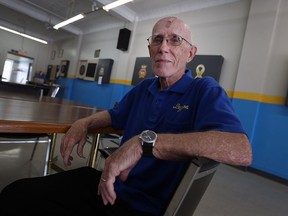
x=147, y=149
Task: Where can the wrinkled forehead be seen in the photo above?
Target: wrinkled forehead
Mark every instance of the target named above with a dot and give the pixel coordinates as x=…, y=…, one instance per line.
x=171, y=25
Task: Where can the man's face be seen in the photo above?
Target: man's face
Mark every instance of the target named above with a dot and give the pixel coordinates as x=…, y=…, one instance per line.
x=168, y=60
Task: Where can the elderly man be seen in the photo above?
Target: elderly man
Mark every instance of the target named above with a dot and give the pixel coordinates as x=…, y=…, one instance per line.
x=166, y=120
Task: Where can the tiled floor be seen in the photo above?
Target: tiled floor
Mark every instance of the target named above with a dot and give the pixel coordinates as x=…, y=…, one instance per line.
x=232, y=192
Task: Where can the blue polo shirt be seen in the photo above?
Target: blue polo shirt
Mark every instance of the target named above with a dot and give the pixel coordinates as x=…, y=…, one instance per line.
x=189, y=105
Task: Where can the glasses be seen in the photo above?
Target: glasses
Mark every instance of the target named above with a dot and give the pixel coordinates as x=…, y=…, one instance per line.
x=173, y=40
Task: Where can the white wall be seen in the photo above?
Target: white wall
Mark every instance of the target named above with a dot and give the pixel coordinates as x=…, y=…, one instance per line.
x=264, y=62
x=251, y=40
x=40, y=52
x=218, y=30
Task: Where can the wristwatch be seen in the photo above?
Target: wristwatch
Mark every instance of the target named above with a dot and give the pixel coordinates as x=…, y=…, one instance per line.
x=148, y=139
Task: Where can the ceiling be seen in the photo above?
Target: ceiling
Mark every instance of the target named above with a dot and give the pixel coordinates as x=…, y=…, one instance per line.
x=37, y=17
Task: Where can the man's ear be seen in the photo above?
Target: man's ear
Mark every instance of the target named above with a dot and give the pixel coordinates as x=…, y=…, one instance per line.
x=192, y=53
x=149, y=50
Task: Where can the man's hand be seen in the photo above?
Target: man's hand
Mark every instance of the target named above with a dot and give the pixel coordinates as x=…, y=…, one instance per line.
x=76, y=135
x=119, y=164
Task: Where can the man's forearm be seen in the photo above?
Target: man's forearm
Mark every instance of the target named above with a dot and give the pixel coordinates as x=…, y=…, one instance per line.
x=224, y=147
x=97, y=120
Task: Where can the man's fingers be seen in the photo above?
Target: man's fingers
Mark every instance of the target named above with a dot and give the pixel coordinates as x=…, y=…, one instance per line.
x=106, y=190
x=80, y=148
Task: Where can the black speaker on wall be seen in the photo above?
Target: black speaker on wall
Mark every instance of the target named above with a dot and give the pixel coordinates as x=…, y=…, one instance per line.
x=123, y=39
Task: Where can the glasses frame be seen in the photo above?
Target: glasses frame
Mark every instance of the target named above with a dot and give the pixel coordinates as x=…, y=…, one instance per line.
x=149, y=39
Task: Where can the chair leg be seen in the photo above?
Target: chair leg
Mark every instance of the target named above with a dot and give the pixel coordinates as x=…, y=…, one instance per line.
x=49, y=154
x=34, y=149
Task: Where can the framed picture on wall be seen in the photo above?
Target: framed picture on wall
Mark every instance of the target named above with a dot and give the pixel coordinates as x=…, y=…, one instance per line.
x=60, y=53
x=142, y=70
x=206, y=65
x=201, y=65
x=97, y=53
x=53, y=54
x=64, y=66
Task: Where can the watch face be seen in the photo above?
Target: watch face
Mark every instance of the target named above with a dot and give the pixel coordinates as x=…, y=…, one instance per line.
x=148, y=136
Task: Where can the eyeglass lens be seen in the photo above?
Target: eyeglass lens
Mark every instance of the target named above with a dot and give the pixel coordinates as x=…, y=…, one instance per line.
x=174, y=40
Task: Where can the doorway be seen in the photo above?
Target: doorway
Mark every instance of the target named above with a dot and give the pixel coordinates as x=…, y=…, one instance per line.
x=17, y=69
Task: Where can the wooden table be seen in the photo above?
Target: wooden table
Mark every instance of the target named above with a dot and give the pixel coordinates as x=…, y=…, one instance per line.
x=47, y=115
x=29, y=88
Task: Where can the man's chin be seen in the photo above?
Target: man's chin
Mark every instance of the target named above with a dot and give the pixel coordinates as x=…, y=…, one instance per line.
x=162, y=71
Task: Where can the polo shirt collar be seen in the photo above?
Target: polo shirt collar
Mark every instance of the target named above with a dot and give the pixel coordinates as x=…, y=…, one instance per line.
x=179, y=87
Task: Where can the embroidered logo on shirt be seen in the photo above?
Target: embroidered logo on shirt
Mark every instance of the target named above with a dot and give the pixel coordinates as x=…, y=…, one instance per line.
x=180, y=107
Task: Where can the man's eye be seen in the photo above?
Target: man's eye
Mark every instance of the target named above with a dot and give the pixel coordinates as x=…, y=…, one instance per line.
x=158, y=39
x=176, y=39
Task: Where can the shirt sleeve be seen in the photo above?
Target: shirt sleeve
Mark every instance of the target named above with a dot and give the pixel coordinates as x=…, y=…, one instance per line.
x=215, y=110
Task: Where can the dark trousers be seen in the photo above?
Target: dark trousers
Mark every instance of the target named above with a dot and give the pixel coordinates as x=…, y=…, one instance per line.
x=70, y=193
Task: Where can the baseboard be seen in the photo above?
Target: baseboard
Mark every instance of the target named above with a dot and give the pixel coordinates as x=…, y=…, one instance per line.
x=264, y=174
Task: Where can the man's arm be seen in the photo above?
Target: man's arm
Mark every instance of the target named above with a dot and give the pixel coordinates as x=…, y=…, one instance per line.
x=77, y=134
x=224, y=147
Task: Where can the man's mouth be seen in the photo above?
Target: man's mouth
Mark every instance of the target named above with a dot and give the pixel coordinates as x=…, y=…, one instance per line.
x=162, y=61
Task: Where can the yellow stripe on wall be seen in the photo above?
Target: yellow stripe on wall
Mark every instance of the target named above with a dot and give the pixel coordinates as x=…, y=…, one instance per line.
x=257, y=97
x=124, y=82
x=71, y=75
x=232, y=94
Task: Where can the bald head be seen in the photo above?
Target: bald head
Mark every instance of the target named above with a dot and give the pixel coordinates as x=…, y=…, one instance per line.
x=173, y=25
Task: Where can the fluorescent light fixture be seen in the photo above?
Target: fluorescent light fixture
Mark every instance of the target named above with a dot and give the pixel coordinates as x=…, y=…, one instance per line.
x=68, y=21
x=81, y=16
x=115, y=4
x=23, y=35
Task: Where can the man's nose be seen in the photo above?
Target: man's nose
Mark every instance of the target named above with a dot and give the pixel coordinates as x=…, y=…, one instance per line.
x=164, y=44
x=165, y=40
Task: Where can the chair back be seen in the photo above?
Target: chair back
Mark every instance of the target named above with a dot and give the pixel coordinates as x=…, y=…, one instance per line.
x=54, y=89
x=192, y=187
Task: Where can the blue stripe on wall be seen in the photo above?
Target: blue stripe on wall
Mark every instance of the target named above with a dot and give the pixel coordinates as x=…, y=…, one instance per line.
x=267, y=127
x=102, y=96
x=266, y=124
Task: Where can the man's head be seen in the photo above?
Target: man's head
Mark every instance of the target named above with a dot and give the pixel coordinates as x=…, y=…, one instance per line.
x=170, y=48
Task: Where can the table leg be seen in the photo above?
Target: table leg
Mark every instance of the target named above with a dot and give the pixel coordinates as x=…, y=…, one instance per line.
x=49, y=154
x=94, y=150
